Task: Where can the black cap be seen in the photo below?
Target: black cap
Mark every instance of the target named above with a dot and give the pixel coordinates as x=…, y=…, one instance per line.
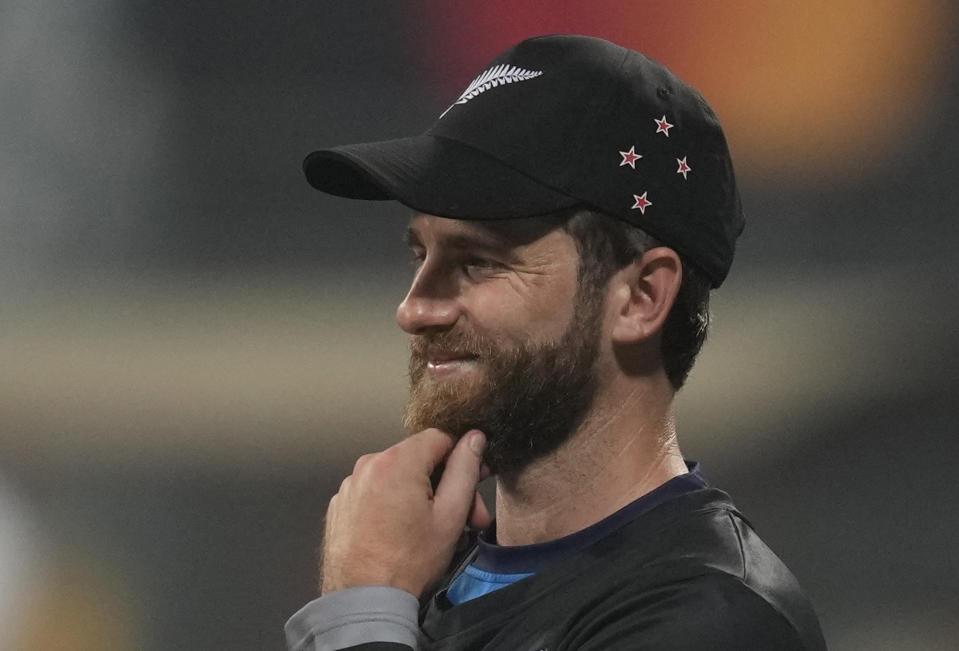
x=558, y=121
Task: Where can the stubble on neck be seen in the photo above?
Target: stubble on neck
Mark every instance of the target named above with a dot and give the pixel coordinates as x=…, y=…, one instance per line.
x=624, y=448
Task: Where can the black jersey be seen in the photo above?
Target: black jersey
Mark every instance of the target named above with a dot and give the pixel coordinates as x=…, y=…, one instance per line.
x=689, y=574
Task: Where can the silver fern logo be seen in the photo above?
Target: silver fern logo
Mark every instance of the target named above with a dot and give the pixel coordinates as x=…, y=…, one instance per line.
x=495, y=76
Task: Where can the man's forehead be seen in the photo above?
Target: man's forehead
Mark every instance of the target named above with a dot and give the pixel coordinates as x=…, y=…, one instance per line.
x=503, y=232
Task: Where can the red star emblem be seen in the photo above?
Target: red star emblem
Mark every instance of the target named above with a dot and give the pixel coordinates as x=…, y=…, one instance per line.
x=684, y=169
x=662, y=126
x=642, y=203
x=630, y=157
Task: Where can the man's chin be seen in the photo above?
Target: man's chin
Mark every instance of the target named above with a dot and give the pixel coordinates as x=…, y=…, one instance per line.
x=444, y=405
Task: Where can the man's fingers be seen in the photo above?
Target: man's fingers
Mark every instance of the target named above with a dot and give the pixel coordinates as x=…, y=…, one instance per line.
x=479, y=518
x=454, y=495
x=430, y=445
x=485, y=472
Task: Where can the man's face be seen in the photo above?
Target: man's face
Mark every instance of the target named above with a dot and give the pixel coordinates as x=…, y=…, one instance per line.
x=502, y=339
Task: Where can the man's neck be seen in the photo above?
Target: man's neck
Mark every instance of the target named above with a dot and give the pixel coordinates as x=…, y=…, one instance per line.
x=624, y=449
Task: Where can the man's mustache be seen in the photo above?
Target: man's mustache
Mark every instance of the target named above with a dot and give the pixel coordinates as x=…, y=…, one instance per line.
x=449, y=344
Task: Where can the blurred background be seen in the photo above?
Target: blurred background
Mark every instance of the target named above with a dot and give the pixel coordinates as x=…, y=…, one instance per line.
x=195, y=345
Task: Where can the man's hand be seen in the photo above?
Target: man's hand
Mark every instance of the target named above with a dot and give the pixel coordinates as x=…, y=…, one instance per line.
x=387, y=527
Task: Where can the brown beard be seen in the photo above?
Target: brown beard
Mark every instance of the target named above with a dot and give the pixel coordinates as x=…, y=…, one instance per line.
x=527, y=399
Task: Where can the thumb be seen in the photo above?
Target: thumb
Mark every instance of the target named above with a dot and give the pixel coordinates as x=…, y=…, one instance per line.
x=454, y=495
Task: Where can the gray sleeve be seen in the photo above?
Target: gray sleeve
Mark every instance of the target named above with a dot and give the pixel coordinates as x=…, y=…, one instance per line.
x=354, y=616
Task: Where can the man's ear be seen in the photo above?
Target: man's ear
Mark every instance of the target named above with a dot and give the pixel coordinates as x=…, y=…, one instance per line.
x=643, y=293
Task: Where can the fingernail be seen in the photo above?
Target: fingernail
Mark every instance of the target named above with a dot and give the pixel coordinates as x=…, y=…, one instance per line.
x=477, y=443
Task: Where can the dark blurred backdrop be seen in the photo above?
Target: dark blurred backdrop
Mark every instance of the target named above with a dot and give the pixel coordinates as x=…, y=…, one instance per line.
x=195, y=345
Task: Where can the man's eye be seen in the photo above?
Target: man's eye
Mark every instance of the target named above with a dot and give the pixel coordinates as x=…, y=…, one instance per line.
x=479, y=265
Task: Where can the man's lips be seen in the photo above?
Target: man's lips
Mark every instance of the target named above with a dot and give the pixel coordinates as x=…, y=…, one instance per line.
x=443, y=362
x=440, y=358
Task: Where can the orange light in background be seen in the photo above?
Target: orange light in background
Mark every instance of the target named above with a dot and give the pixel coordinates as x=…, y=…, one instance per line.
x=806, y=90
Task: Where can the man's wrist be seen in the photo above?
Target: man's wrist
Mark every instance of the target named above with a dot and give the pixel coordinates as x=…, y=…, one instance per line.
x=355, y=616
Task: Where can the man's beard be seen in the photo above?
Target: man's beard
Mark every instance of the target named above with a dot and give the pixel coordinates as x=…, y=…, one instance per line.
x=528, y=399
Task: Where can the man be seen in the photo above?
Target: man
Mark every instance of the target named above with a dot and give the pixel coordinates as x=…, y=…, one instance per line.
x=573, y=208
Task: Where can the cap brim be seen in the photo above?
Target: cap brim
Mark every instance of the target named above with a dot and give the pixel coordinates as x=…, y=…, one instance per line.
x=433, y=175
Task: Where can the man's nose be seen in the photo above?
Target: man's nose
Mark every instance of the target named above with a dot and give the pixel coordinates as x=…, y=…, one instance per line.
x=427, y=307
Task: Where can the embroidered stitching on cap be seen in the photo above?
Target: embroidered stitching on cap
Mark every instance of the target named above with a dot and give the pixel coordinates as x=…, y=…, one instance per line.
x=495, y=76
